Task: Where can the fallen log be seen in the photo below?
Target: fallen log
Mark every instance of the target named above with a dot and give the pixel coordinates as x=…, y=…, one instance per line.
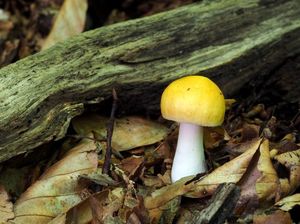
x=232, y=42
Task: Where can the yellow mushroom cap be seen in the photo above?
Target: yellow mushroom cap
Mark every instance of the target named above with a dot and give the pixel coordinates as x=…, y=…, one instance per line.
x=193, y=99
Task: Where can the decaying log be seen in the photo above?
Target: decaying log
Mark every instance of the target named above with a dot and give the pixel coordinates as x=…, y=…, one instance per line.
x=230, y=41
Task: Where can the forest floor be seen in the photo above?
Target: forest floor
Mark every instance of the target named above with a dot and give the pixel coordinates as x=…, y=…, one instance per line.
x=257, y=148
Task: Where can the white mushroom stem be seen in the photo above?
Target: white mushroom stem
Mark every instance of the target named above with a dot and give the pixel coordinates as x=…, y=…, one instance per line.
x=189, y=156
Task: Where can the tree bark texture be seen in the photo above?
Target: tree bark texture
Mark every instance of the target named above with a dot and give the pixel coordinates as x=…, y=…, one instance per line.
x=229, y=41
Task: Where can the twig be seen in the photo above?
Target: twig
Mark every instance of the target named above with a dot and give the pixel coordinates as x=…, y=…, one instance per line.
x=110, y=129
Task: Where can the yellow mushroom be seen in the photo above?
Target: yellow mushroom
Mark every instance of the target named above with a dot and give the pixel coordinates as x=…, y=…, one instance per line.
x=194, y=102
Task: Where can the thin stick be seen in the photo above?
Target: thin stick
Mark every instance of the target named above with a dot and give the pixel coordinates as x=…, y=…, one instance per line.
x=110, y=129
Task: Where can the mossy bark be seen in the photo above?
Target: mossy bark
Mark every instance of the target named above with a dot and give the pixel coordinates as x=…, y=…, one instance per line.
x=229, y=41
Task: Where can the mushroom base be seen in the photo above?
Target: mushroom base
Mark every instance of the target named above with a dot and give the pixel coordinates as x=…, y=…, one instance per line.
x=189, y=157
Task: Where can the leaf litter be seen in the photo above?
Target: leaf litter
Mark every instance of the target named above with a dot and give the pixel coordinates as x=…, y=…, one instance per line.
x=139, y=189
x=254, y=150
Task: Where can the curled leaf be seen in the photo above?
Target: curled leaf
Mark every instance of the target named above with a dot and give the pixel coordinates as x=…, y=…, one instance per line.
x=289, y=202
x=260, y=183
x=291, y=160
x=267, y=185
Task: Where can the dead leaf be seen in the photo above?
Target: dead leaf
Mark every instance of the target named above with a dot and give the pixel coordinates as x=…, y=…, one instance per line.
x=97, y=177
x=247, y=133
x=286, y=144
x=97, y=210
x=267, y=185
x=132, y=166
x=69, y=22
x=260, y=183
x=289, y=202
x=161, y=196
x=165, y=213
x=140, y=210
x=57, y=190
x=230, y=172
x=291, y=160
x=129, y=132
x=273, y=217
x=6, y=24
x=229, y=103
x=15, y=180
x=248, y=200
x=152, y=181
x=8, y=51
x=236, y=149
x=6, y=207
x=108, y=202
x=213, y=136
x=257, y=109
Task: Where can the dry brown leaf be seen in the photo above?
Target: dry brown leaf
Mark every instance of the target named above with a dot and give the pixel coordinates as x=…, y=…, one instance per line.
x=246, y=133
x=141, y=211
x=236, y=149
x=132, y=166
x=69, y=22
x=6, y=207
x=230, y=172
x=129, y=132
x=248, y=200
x=267, y=185
x=289, y=202
x=229, y=103
x=260, y=183
x=152, y=181
x=161, y=196
x=166, y=213
x=8, y=51
x=273, y=218
x=291, y=160
x=257, y=109
x=97, y=210
x=213, y=136
x=57, y=190
x=108, y=202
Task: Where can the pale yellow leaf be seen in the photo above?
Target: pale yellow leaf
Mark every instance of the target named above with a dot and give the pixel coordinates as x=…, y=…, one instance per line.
x=69, y=22
x=6, y=207
x=57, y=190
x=285, y=186
x=289, y=202
x=267, y=185
x=291, y=160
x=129, y=132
